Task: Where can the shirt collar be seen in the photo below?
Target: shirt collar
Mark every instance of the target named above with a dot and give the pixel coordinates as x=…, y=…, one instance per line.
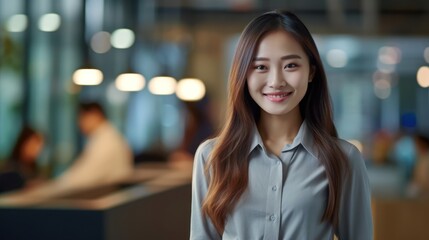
x=304, y=138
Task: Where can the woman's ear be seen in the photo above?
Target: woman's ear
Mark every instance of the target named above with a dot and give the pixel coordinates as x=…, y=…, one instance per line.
x=312, y=72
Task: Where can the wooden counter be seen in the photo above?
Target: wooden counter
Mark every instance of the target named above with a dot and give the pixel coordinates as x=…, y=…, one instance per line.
x=399, y=218
x=157, y=206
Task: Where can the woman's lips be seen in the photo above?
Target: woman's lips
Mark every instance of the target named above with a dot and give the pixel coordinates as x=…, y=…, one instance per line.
x=277, y=97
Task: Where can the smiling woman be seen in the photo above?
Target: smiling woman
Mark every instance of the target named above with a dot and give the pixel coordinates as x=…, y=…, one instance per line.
x=278, y=170
x=279, y=76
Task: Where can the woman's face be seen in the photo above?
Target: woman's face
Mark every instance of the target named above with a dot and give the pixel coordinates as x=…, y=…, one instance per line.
x=31, y=148
x=279, y=74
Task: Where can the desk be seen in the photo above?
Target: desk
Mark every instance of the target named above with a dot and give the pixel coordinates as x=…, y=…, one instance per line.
x=399, y=218
x=396, y=216
x=157, y=206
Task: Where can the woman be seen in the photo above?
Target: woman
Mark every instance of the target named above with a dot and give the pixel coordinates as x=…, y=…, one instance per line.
x=20, y=170
x=277, y=170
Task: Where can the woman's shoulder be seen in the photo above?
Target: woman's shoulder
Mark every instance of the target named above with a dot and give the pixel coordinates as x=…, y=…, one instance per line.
x=352, y=153
x=205, y=148
x=347, y=146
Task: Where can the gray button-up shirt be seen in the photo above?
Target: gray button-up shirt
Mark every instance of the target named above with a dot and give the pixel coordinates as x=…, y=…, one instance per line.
x=287, y=195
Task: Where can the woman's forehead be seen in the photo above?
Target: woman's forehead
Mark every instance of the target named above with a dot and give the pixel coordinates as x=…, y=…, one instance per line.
x=280, y=43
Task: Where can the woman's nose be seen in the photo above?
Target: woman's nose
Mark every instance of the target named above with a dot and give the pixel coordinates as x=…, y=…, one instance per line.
x=276, y=79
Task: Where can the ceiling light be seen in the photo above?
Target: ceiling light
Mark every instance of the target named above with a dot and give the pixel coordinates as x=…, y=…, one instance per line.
x=130, y=82
x=87, y=76
x=162, y=85
x=190, y=89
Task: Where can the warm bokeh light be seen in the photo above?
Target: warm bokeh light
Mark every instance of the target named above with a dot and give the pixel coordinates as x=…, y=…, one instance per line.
x=17, y=23
x=130, y=82
x=382, y=88
x=358, y=144
x=423, y=76
x=49, y=22
x=122, y=38
x=87, y=76
x=162, y=85
x=190, y=89
x=337, y=58
x=100, y=42
x=389, y=55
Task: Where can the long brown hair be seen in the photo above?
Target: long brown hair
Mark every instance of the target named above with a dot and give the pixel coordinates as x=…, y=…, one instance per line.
x=228, y=164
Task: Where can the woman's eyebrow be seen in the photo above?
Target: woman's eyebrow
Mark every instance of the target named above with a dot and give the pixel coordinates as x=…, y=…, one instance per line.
x=292, y=56
x=287, y=57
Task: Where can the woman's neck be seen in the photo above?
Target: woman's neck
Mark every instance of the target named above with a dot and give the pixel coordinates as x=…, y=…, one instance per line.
x=279, y=130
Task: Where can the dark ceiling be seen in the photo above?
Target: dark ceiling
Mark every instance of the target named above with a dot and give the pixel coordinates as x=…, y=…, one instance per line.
x=382, y=17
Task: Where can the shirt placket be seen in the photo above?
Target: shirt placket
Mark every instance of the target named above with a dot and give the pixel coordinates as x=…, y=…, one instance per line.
x=273, y=204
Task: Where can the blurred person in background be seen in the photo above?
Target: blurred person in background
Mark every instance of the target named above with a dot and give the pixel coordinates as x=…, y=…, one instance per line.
x=420, y=179
x=381, y=147
x=20, y=169
x=199, y=127
x=106, y=159
x=403, y=152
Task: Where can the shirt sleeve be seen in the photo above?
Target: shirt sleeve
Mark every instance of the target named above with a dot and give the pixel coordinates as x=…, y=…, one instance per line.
x=201, y=226
x=355, y=215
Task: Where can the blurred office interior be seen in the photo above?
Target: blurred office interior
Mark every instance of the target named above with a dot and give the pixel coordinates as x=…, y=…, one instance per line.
x=375, y=53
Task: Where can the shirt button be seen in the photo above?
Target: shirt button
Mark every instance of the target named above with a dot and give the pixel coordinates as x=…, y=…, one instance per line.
x=274, y=188
x=278, y=162
x=273, y=218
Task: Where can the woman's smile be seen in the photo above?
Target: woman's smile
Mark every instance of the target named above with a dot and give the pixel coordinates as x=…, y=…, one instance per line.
x=278, y=96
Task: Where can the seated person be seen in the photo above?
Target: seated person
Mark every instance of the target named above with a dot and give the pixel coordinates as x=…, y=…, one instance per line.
x=106, y=159
x=20, y=168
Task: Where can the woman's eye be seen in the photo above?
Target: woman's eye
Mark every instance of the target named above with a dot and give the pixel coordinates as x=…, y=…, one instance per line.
x=260, y=67
x=291, y=65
